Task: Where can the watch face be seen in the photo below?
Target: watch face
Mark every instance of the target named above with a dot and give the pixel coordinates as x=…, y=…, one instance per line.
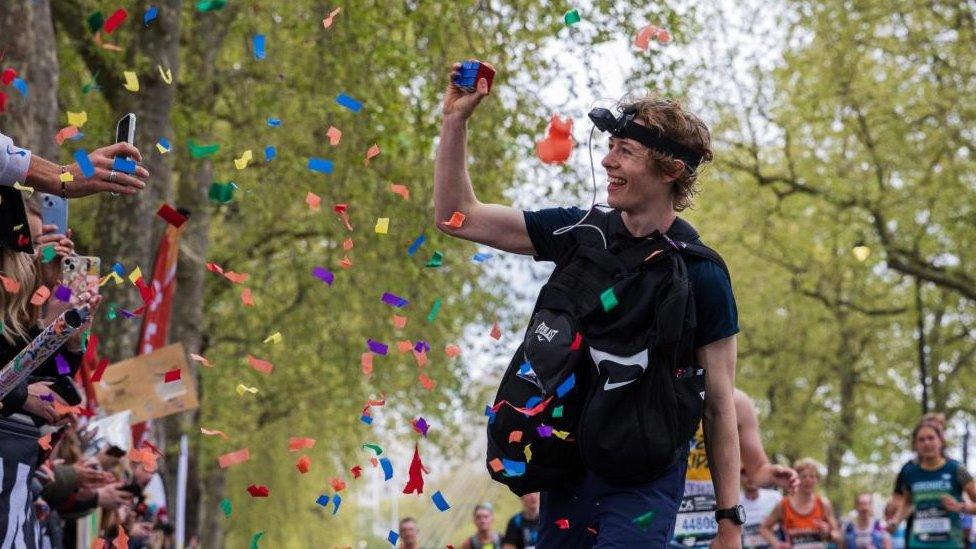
x=740, y=514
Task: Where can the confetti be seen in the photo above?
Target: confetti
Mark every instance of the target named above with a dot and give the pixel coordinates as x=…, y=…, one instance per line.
x=63, y=135
x=334, y=134
x=45, y=442
x=436, y=260
x=320, y=165
x=211, y=5
x=166, y=75
x=115, y=20
x=327, y=22
x=241, y=389
x=40, y=296
x=373, y=152
x=387, y=468
x=171, y=216
x=571, y=18
x=417, y=243
x=258, y=43
x=201, y=359
x=348, y=102
x=415, y=481
x=62, y=293
x=420, y=425
x=401, y=190
x=171, y=376
x=392, y=537
x=440, y=502
x=377, y=347
x=62, y=363
x=427, y=383
x=202, y=151
x=163, y=146
x=151, y=14
x=85, y=163
x=366, y=361
x=457, y=219
x=608, y=299
x=336, y=502
x=496, y=332
x=323, y=274
x=562, y=523
x=258, y=491
x=434, y=310
x=225, y=506
x=303, y=464
x=262, y=366
x=300, y=443
x=214, y=432
x=255, y=538
x=131, y=81
x=124, y=165
x=234, y=458
x=452, y=350
x=558, y=143
x=274, y=338
x=394, y=300
x=399, y=321
x=10, y=284
x=644, y=521
x=270, y=153
x=382, y=225
x=515, y=436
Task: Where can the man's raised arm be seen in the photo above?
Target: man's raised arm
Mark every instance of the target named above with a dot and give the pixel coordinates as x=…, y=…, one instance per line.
x=498, y=226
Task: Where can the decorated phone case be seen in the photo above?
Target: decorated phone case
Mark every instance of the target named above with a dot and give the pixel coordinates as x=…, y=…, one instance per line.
x=80, y=274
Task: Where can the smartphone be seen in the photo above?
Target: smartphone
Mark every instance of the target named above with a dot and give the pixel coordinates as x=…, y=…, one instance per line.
x=54, y=211
x=125, y=129
x=80, y=273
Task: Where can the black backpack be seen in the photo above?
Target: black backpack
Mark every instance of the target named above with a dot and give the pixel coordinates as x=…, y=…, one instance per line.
x=606, y=378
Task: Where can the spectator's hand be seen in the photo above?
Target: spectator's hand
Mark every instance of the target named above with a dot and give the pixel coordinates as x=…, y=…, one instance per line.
x=44, y=473
x=459, y=103
x=951, y=504
x=112, y=496
x=141, y=530
x=106, y=179
x=63, y=247
x=39, y=407
x=90, y=477
x=785, y=478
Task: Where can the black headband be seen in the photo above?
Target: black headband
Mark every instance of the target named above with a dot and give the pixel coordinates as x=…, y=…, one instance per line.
x=625, y=127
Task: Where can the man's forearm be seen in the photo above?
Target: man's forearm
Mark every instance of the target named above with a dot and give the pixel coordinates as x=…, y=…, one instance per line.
x=452, y=185
x=722, y=448
x=43, y=175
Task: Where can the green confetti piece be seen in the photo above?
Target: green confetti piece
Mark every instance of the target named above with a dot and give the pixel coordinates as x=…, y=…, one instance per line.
x=572, y=17
x=95, y=22
x=222, y=193
x=255, y=538
x=645, y=520
x=211, y=5
x=202, y=151
x=374, y=447
x=557, y=411
x=608, y=299
x=111, y=314
x=48, y=254
x=226, y=507
x=434, y=310
x=436, y=260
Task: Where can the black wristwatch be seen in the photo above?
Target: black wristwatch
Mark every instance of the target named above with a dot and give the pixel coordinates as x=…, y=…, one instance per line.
x=736, y=514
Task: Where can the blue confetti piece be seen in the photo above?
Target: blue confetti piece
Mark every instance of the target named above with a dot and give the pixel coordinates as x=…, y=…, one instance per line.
x=481, y=258
x=393, y=537
x=336, y=501
x=529, y=404
x=513, y=468
x=323, y=500
x=440, y=502
x=377, y=348
x=320, y=165
x=394, y=300
x=151, y=14
x=367, y=419
x=387, y=468
x=270, y=153
x=349, y=103
x=566, y=386
x=85, y=163
x=21, y=86
x=76, y=137
x=164, y=143
x=525, y=369
x=416, y=245
x=274, y=122
x=122, y=164
x=119, y=269
x=258, y=43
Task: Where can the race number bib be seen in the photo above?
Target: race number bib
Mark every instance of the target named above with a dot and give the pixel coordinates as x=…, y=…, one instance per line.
x=935, y=525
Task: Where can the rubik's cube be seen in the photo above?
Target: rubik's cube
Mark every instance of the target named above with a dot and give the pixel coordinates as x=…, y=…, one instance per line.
x=469, y=74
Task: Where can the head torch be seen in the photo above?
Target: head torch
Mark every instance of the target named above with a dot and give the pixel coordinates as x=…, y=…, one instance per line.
x=625, y=127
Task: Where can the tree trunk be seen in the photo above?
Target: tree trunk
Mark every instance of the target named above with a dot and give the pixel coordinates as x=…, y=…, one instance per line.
x=28, y=46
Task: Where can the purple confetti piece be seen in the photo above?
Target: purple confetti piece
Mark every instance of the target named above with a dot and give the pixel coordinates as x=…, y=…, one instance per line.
x=377, y=347
x=421, y=346
x=324, y=275
x=394, y=300
x=544, y=431
x=125, y=313
x=63, y=367
x=63, y=293
x=422, y=426
x=48, y=397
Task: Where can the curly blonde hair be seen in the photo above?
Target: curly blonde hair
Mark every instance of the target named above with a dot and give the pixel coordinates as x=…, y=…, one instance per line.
x=678, y=124
x=17, y=314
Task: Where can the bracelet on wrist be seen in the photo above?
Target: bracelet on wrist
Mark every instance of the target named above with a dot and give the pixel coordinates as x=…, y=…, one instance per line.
x=64, y=188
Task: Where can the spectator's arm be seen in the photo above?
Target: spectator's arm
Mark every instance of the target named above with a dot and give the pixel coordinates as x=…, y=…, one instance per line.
x=65, y=483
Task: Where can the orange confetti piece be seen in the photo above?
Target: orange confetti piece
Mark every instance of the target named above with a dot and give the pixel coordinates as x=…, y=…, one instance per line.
x=515, y=436
x=201, y=359
x=399, y=321
x=347, y=244
x=236, y=278
x=428, y=383
x=366, y=360
x=40, y=296
x=246, y=298
x=312, y=200
x=63, y=409
x=496, y=465
x=334, y=134
x=303, y=463
x=262, y=366
x=337, y=484
x=496, y=332
x=356, y=471
x=643, y=38
x=452, y=350
x=345, y=263
x=562, y=523
x=421, y=358
x=212, y=432
x=401, y=190
x=373, y=152
x=65, y=133
x=45, y=442
x=9, y=284
x=663, y=36
x=558, y=143
x=457, y=219
x=121, y=540
x=299, y=443
x=327, y=22
x=404, y=346
x=234, y=458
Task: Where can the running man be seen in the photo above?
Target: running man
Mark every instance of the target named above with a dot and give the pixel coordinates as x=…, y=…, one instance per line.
x=806, y=517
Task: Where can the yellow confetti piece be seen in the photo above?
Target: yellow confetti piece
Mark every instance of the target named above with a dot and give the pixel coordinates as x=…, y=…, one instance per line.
x=136, y=274
x=161, y=148
x=77, y=118
x=528, y=453
x=241, y=389
x=274, y=338
x=66, y=177
x=19, y=187
x=382, y=225
x=131, y=81
x=242, y=162
x=166, y=75
x=561, y=434
x=110, y=276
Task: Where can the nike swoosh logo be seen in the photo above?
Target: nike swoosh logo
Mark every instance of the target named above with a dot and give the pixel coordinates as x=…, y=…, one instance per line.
x=19, y=153
x=637, y=359
x=611, y=386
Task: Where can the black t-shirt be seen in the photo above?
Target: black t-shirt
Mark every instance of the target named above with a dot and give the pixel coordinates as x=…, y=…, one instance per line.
x=715, y=308
x=522, y=532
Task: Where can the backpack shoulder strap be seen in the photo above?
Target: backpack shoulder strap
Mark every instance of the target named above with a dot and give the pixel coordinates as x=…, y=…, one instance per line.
x=704, y=252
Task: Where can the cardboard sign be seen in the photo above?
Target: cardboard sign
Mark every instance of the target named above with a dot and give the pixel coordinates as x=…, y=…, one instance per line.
x=139, y=384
